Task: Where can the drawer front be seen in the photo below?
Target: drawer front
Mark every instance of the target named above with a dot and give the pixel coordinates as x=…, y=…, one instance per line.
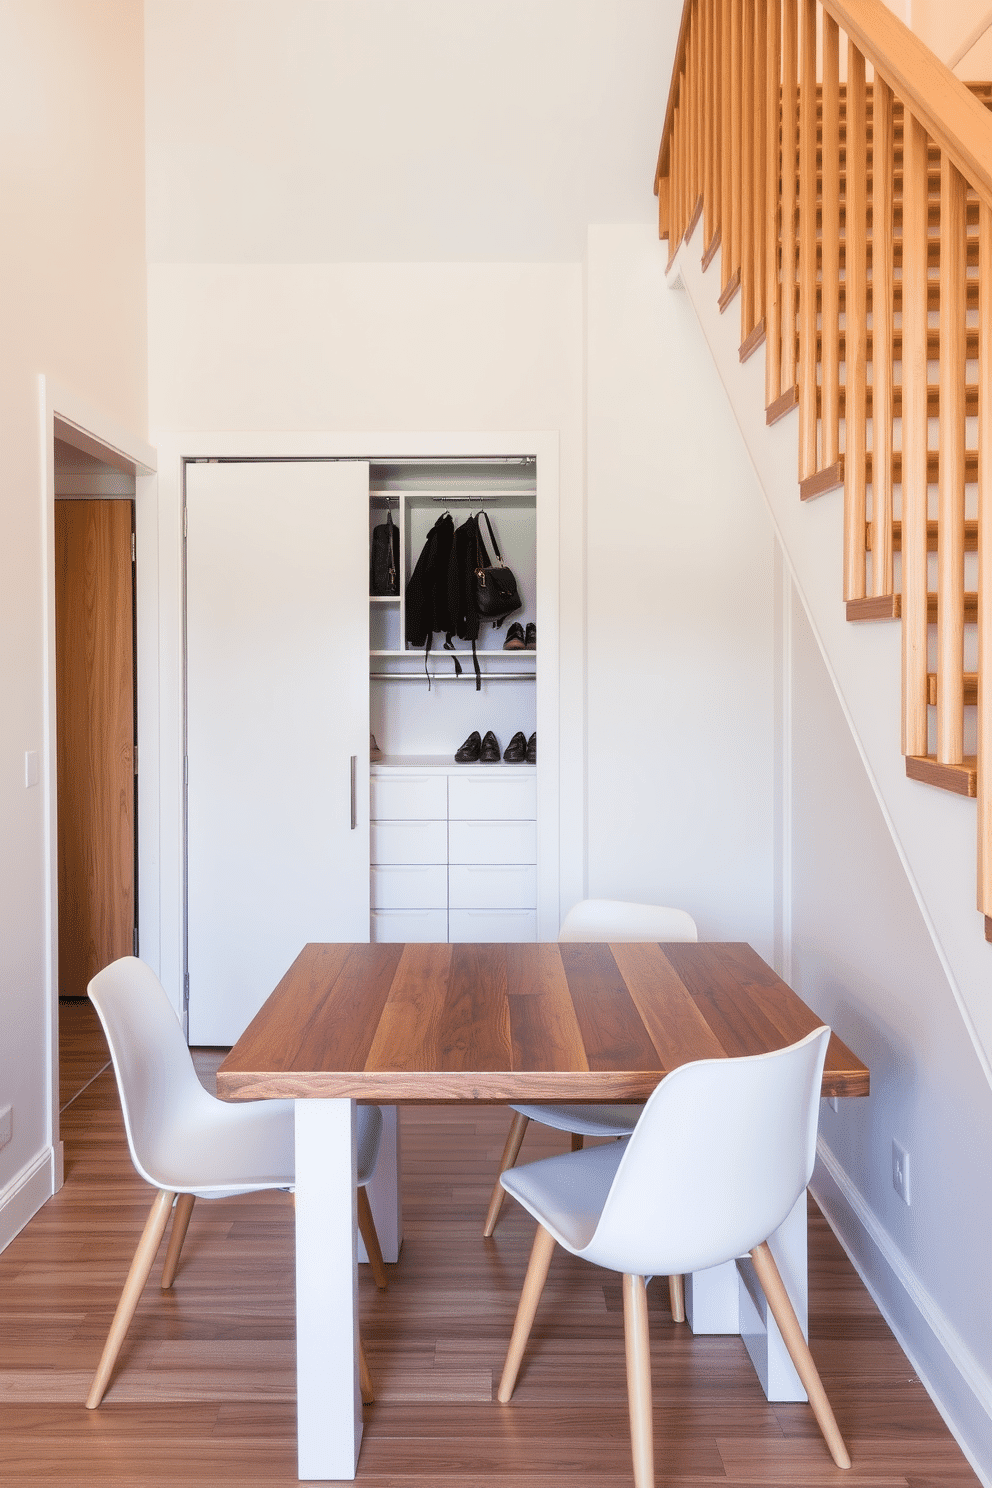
x=493, y=797
x=467, y=925
x=409, y=797
x=409, y=842
x=492, y=887
x=410, y=887
x=492, y=842
x=394, y=926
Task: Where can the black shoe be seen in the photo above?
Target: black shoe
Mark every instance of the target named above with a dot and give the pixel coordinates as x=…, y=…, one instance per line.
x=468, y=753
x=490, y=749
x=516, y=751
x=530, y=641
x=514, y=637
x=532, y=749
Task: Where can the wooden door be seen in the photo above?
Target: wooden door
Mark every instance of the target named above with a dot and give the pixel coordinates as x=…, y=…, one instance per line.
x=277, y=705
x=94, y=665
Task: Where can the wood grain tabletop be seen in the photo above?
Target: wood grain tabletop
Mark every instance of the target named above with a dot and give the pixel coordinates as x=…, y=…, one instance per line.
x=539, y=1022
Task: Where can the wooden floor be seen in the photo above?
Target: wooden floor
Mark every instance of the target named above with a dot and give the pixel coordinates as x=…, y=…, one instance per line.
x=204, y=1392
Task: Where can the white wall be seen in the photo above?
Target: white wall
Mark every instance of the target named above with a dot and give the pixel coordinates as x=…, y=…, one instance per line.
x=679, y=615
x=72, y=277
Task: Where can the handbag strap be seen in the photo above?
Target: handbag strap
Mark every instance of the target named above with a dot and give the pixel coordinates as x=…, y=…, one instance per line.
x=492, y=538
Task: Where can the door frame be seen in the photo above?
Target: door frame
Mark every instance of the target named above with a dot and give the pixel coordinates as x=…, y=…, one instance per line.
x=78, y=423
x=175, y=450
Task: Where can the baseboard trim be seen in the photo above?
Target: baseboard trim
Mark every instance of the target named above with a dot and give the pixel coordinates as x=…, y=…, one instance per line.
x=24, y=1195
x=955, y=1380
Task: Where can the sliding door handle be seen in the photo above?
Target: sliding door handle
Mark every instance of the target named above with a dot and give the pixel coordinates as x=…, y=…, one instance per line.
x=354, y=791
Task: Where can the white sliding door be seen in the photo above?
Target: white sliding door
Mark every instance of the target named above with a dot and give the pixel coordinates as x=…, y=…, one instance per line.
x=277, y=705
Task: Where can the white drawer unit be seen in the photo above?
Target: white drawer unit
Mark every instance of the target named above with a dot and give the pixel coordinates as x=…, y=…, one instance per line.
x=409, y=886
x=409, y=842
x=405, y=797
x=492, y=886
x=467, y=925
x=394, y=926
x=490, y=796
x=492, y=842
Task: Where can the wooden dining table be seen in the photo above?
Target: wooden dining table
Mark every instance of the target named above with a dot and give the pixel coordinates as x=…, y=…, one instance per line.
x=406, y=1024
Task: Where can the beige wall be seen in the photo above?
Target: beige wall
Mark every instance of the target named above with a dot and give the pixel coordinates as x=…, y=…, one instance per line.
x=73, y=293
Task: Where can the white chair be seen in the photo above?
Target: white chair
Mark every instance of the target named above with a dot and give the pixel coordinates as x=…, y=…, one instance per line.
x=188, y=1144
x=746, y=1141
x=602, y=920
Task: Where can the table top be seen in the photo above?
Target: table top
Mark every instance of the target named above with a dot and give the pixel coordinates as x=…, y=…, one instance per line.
x=401, y=1024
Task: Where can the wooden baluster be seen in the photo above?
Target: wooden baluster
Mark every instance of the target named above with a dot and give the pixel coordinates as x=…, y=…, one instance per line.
x=760, y=145
x=856, y=318
x=773, y=115
x=726, y=151
x=689, y=118
x=716, y=133
x=678, y=226
x=790, y=65
x=735, y=143
x=705, y=114
x=985, y=559
x=950, y=530
x=709, y=123
x=830, y=247
x=882, y=337
x=914, y=437
x=807, y=242
x=698, y=115
x=747, y=169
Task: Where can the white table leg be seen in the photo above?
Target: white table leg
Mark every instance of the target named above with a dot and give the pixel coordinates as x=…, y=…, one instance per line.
x=329, y=1406
x=384, y=1190
x=728, y=1299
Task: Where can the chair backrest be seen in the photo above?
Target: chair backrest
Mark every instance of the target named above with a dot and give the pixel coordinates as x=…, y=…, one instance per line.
x=159, y=1089
x=616, y=919
x=720, y=1155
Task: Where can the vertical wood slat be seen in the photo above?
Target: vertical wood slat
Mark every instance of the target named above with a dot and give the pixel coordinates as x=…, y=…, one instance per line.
x=830, y=245
x=985, y=559
x=706, y=109
x=747, y=170
x=790, y=66
x=807, y=241
x=882, y=337
x=698, y=111
x=760, y=145
x=691, y=116
x=735, y=139
x=773, y=291
x=726, y=162
x=712, y=224
x=914, y=437
x=856, y=319
x=950, y=541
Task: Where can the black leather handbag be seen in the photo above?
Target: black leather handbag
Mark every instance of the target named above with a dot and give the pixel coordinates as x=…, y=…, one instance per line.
x=496, y=593
x=384, y=561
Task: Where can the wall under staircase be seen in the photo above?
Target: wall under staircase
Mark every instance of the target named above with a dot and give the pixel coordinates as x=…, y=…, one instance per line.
x=882, y=935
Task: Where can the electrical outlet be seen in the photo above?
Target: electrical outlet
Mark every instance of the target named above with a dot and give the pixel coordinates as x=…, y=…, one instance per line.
x=6, y=1124
x=900, y=1171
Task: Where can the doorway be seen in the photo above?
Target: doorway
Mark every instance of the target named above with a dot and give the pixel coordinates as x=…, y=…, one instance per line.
x=95, y=716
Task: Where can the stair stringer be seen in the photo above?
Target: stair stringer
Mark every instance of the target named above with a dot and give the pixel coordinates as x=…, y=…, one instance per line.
x=934, y=832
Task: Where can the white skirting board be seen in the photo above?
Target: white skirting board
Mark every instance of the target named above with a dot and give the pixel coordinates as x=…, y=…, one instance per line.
x=24, y=1195
x=958, y=1384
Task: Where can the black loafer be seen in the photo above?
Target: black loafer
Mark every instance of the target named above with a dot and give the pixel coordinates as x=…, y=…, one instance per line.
x=515, y=640
x=490, y=749
x=516, y=751
x=530, y=640
x=532, y=749
x=468, y=753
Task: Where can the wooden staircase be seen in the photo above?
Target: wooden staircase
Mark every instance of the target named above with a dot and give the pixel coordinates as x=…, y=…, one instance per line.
x=854, y=223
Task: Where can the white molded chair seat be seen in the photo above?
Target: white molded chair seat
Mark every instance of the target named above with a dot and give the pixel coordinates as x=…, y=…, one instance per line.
x=594, y=920
x=188, y=1144
x=745, y=1143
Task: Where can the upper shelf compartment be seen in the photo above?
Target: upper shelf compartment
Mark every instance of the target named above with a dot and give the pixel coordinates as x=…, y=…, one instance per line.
x=462, y=483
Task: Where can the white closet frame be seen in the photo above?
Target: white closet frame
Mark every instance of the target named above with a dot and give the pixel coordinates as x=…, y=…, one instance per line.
x=174, y=449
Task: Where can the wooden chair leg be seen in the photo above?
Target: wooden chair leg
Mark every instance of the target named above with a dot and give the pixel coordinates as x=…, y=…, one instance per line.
x=638, y=1349
x=364, y=1378
x=144, y=1257
x=784, y=1314
x=180, y=1224
x=537, y=1275
x=676, y=1298
x=366, y=1225
x=578, y=1141
x=514, y=1138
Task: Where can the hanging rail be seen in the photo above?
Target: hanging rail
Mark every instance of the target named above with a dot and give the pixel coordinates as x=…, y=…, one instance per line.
x=847, y=211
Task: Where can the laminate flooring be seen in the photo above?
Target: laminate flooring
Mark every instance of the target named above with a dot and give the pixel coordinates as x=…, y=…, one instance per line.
x=204, y=1389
